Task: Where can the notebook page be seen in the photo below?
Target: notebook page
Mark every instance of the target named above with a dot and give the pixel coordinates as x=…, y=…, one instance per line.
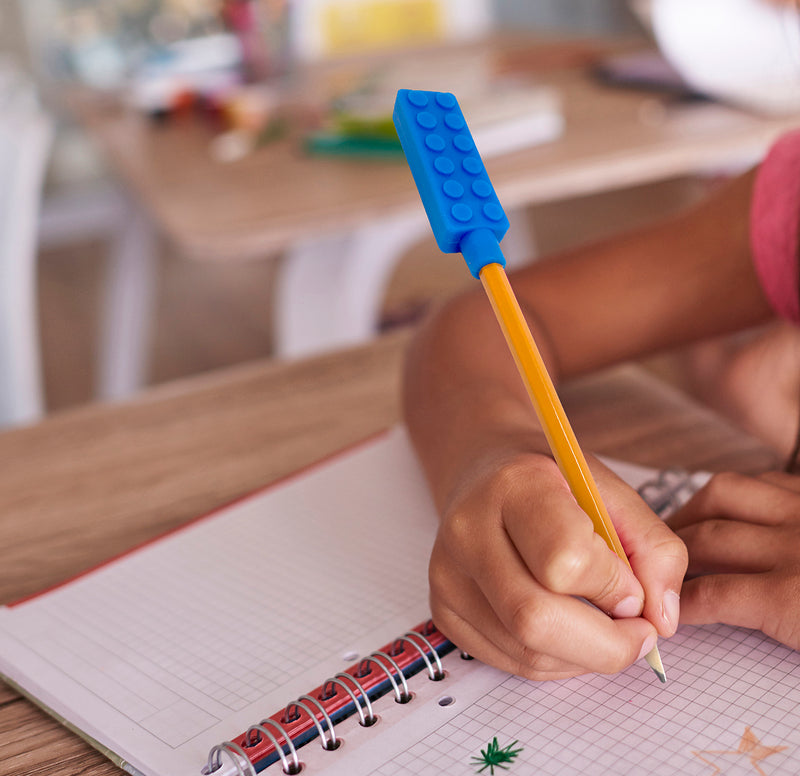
x=448, y=724
x=731, y=706
x=186, y=642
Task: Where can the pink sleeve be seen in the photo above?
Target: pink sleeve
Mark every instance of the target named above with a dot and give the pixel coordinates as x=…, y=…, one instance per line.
x=775, y=226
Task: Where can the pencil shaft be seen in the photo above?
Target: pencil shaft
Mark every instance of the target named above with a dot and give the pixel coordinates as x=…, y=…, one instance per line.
x=555, y=424
x=553, y=419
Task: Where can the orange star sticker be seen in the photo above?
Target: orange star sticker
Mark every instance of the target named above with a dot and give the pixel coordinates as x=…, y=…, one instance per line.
x=749, y=747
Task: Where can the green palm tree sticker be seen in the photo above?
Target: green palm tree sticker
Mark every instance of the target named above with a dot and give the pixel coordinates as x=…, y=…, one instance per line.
x=494, y=757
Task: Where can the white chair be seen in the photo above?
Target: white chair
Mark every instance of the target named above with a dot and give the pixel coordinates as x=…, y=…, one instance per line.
x=25, y=137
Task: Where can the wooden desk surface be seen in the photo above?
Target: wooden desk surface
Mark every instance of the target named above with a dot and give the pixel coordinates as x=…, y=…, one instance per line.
x=88, y=484
x=214, y=210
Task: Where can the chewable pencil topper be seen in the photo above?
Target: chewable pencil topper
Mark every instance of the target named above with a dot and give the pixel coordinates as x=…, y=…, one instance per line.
x=458, y=196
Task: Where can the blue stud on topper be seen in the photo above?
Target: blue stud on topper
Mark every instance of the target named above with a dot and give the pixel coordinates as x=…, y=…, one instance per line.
x=458, y=196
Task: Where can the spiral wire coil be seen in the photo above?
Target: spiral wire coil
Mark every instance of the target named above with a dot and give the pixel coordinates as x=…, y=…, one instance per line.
x=352, y=685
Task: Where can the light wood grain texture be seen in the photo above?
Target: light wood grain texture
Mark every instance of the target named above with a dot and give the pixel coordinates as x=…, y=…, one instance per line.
x=34, y=743
x=88, y=484
x=265, y=202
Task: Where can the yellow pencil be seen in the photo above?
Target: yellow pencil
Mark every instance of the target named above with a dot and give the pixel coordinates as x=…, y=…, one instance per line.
x=467, y=217
x=560, y=436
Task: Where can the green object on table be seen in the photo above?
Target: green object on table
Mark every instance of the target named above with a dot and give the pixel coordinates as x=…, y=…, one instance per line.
x=334, y=144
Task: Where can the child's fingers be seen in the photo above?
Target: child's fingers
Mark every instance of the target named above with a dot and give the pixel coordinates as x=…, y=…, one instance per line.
x=559, y=546
x=478, y=646
x=544, y=622
x=658, y=557
x=730, y=598
x=738, y=497
x=727, y=546
x=765, y=602
x=470, y=623
x=782, y=480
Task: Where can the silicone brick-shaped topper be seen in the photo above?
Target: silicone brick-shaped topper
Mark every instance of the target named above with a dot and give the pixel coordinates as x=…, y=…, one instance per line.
x=458, y=196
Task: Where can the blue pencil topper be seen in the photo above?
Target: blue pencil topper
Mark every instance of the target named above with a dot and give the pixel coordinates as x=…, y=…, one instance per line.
x=458, y=196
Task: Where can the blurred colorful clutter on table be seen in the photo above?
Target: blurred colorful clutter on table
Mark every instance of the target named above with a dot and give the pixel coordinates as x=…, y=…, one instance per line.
x=218, y=59
x=325, y=71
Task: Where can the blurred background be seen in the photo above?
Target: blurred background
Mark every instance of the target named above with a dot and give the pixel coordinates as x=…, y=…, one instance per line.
x=177, y=151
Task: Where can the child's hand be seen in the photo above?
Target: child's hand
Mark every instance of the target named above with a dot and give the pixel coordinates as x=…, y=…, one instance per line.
x=743, y=536
x=514, y=549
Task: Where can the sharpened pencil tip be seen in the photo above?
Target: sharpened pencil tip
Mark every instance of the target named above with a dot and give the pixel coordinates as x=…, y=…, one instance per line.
x=653, y=658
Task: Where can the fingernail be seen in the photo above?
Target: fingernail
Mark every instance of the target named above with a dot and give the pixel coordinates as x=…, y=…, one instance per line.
x=648, y=645
x=671, y=608
x=628, y=607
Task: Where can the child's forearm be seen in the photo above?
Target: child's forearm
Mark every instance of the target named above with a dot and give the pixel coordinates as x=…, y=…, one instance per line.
x=462, y=395
x=660, y=287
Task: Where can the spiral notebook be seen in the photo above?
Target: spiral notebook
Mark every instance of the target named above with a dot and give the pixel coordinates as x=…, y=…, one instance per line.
x=290, y=631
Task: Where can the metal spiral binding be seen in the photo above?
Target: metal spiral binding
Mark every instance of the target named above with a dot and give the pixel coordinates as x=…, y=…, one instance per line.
x=664, y=494
x=364, y=720
x=435, y=675
x=400, y=697
x=294, y=730
x=228, y=747
x=329, y=743
x=260, y=728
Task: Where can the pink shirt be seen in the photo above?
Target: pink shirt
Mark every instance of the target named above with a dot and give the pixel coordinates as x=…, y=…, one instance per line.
x=775, y=226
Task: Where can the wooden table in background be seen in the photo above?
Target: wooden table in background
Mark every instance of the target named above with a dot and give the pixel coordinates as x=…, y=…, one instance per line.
x=343, y=223
x=88, y=484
